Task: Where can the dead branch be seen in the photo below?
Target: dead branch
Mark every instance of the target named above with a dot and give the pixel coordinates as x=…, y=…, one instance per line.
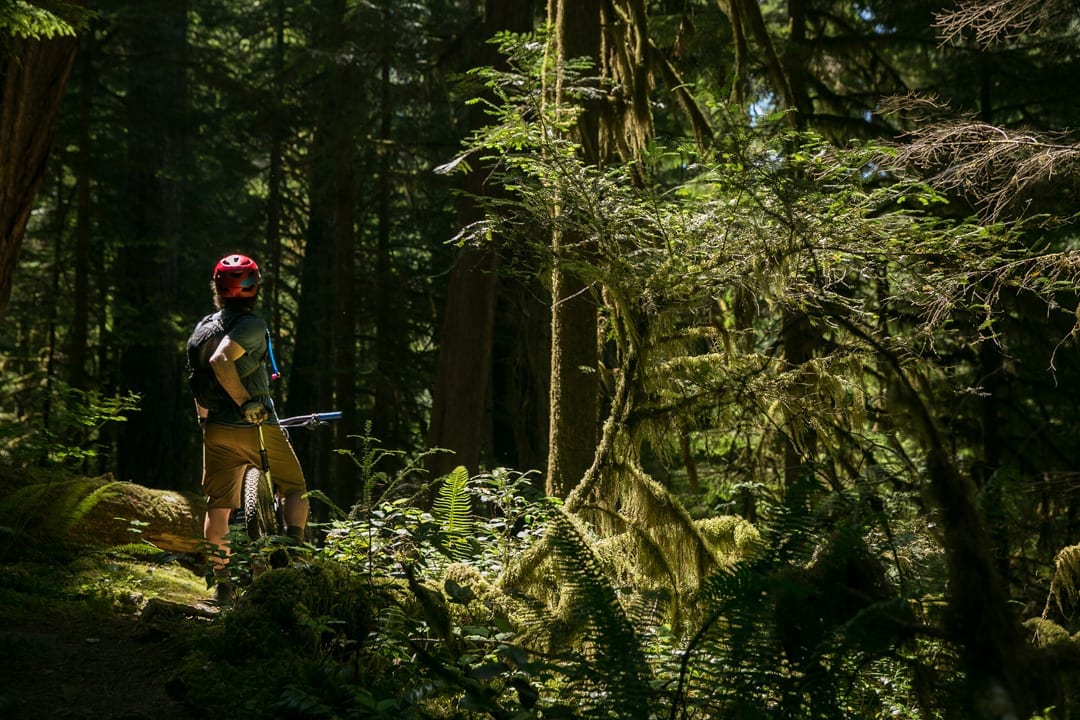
x=1001, y=20
x=1000, y=171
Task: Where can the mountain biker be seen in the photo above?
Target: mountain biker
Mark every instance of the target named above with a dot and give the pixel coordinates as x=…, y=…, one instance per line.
x=230, y=433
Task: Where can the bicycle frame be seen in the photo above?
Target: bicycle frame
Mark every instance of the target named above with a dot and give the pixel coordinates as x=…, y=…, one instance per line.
x=260, y=505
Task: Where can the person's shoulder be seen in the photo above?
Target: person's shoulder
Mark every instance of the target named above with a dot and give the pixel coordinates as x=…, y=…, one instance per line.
x=207, y=318
x=241, y=316
x=245, y=322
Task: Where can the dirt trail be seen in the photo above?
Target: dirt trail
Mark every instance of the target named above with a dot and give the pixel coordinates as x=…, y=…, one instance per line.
x=84, y=665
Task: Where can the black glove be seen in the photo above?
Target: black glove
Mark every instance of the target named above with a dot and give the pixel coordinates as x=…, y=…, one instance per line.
x=254, y=412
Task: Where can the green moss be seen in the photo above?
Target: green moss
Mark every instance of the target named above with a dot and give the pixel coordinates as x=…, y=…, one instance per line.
x=1045, y=633
x=297, y=609
x=730, y=536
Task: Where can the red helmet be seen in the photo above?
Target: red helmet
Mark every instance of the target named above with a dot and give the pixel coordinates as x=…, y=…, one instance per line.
x=236, y=276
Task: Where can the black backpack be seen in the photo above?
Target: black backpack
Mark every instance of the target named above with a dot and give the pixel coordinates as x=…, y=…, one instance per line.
x=200, y=376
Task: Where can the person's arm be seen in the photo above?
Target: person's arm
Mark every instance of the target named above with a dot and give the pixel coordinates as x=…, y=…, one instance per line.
x=223, y=363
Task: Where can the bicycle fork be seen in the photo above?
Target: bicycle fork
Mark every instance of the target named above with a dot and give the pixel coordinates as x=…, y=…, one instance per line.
x=264, y=460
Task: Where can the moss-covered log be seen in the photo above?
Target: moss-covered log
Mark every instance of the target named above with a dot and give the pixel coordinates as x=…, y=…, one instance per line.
x=127, y=512
x=102, y=511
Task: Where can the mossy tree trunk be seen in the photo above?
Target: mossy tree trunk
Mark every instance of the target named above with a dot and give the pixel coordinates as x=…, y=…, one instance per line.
x=575, y=384
x=33, y=76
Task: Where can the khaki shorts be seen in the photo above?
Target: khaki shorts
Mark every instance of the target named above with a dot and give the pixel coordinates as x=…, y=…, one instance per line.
x=229, y=450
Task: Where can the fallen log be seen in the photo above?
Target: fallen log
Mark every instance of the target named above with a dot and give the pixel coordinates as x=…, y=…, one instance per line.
x=102, y=511
x=126, y=512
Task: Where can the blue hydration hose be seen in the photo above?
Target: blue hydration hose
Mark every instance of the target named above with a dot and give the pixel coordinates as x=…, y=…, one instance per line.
x=274, y=372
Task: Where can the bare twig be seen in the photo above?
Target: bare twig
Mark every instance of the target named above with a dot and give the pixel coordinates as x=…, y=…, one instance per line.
x=999, y=171
x=1001, y=20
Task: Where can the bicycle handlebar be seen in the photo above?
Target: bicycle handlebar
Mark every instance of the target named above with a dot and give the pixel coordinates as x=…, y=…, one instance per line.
x=310, y=421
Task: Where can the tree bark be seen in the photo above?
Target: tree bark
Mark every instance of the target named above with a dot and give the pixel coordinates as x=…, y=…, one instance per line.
x=462, y=396
x=150, y=446
x=275, y=176
x=386, y=417
x=80, y=324
x=312, y=382
x=344, y=339
x=33, y=76
x=575, y=384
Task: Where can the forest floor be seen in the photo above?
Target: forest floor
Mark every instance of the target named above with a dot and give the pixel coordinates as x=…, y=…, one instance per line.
x=90, y=633
x=82, y=643
x=82, y=664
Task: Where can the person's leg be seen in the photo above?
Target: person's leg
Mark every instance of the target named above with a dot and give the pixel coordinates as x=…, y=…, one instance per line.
x=296, y=514
x=289, y=478
x=224, y=461
x=215, y=528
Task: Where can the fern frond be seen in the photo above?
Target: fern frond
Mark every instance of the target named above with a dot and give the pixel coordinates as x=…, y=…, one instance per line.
x=52, y=509
x=616, y=683
x=85, y=505
x=791, y=630
x=453, y=511
x=335, y=511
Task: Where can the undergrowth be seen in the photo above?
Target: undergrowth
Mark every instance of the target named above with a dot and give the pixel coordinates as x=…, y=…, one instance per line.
x=403, y=612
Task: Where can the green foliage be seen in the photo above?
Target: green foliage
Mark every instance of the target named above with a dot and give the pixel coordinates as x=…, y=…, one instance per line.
x=66, y=426
x=331, y=636
x=49, y=510
x=453, y=512
x=42, y=19
x=809, y=627
x=808, y=316
x=289, y=640
x=613, y=679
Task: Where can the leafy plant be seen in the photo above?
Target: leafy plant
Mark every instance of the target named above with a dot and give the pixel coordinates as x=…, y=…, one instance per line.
x=65, y=426
x=453, y=511
x=42, y=19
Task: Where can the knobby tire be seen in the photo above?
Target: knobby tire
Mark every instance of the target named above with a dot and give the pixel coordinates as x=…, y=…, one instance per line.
x=260, y=515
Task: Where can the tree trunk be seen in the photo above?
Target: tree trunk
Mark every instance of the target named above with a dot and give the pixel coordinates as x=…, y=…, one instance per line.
x=80, y=324
x=168, y=520
x=575, y=386
x=147, y=279
x=33, y=75
x=344, y=340
x=309, y=385
x=312, y=379
x=386, y=416
x=275, y=176
x=992, y=646
x=574, y=379
x=462, y=396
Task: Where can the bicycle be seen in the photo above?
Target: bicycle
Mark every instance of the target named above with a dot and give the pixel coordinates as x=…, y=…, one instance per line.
x=261, y=508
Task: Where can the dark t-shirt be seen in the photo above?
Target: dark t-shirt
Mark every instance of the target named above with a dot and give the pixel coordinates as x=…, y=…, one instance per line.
x=250, y=333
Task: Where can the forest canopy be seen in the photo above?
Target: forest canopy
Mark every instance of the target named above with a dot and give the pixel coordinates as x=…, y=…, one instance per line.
x=774, y=303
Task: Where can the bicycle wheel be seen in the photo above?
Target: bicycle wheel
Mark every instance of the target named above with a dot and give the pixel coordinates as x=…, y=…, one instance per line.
x=260, y=515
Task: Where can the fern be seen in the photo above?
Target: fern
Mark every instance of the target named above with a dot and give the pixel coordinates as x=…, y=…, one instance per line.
x=52, y=509
x=802, y=629
x=84, y=506
x=453, y=511
x=613, y=680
